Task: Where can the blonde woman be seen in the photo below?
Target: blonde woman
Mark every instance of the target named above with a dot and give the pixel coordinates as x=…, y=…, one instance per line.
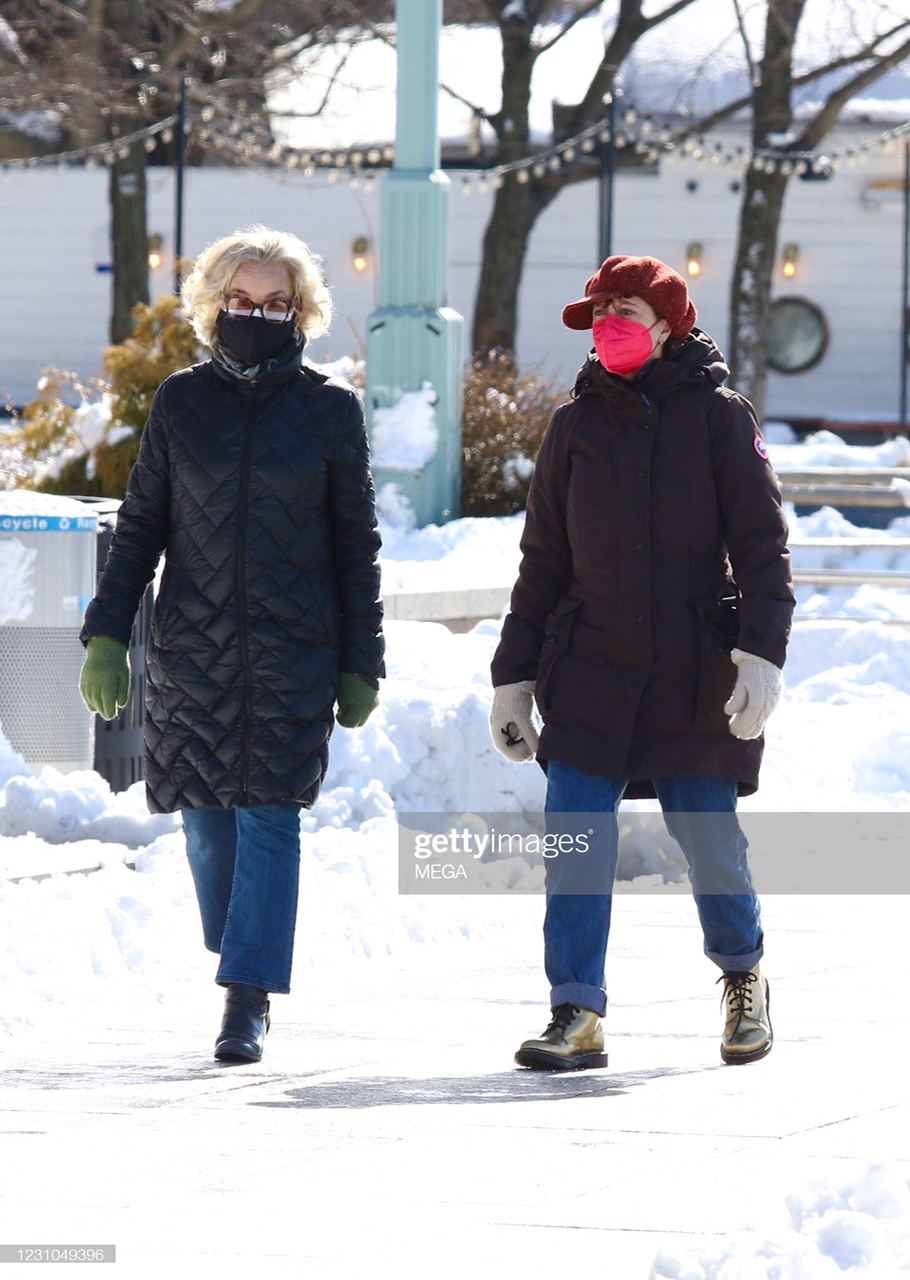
x=253, y=478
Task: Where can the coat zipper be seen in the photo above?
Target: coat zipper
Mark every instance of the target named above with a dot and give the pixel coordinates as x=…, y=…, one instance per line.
x=242, y=595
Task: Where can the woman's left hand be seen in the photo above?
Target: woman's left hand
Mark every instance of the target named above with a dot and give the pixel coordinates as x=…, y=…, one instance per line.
x=356, y=699
x=757, y=693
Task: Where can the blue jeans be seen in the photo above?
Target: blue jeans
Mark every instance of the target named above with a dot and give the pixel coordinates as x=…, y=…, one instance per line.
x=246, y=866
x=577, y=925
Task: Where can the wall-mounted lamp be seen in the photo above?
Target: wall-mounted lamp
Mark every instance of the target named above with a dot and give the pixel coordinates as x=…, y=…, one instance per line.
x=694, y=255
x=155, y=245
x=360, y=254
x=789, y=258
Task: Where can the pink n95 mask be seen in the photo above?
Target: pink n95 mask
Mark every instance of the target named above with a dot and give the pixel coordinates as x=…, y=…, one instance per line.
x=622, y=345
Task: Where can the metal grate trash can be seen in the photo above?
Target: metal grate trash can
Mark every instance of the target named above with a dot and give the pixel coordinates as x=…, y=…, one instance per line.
x=119, y=744
x=47, y=577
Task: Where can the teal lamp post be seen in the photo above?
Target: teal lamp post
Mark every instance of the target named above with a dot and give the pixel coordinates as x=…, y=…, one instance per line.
x=414, y=337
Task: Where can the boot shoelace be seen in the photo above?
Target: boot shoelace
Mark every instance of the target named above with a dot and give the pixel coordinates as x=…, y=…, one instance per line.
x=738, y=988
x=562, y=1016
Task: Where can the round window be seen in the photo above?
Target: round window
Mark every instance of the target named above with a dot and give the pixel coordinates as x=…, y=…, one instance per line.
x=798, y=335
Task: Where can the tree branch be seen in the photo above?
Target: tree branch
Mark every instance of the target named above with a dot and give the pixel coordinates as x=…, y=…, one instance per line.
x=630, y=25
x=807, y=77
x=750, y=61
x=813, y=133
x=325, y=97
x=567, y=27
x=377, y=34
x=669, y=12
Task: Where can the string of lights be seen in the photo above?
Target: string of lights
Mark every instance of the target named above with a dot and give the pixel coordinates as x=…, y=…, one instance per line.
x=105, y=152
x=650, y=145
x=645, y=135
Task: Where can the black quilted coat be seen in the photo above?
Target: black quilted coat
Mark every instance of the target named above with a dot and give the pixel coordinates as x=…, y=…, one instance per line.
x=654, y=543
x=262, y=499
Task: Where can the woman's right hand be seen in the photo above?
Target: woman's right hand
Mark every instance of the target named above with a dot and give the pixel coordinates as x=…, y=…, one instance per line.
x=511, y=725
x=105, y=680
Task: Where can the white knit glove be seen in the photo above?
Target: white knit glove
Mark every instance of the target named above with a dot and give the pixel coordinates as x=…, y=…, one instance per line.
x=511, y=725
x=756, y=694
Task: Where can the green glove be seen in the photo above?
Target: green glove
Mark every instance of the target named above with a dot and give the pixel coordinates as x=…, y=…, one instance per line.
x=105, y=680
x=356, y=699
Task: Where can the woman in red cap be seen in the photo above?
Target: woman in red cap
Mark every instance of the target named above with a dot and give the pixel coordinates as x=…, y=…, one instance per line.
x=649, y=622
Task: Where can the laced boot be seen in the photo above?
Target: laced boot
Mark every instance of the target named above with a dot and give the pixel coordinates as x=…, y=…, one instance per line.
x=747, y=1033
x=574, y=1039
x=245, y=1023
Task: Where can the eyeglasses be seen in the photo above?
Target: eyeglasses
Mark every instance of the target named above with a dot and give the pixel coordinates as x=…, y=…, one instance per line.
x=275, y=310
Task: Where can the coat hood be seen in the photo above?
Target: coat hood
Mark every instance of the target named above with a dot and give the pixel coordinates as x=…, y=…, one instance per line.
x=697, y=360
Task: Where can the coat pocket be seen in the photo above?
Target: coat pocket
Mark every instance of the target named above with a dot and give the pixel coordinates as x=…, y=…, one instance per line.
x=557, y=635
x=718, y=622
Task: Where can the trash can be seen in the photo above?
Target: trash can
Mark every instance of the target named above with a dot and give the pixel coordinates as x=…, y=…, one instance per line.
x=47, y=577
x=119, y=744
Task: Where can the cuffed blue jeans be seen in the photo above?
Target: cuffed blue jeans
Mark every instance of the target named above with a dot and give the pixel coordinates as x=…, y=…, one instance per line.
x=577, y=924
x=246, y=867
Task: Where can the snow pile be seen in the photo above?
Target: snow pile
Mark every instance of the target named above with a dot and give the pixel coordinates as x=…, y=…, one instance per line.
x=395, y=512
x=61, y=807
x=91, y=425
x=472, y=552
x=887, y=552
x=346, y=369
x=405, y=435
x=825, y=449
x=855, y=1228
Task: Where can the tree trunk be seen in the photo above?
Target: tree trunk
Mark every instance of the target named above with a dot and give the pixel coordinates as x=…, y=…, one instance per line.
x=515, y=210
x=125, y=20
x=129, y=240
x=753, y=280
x=761, y=208
x=516, y=206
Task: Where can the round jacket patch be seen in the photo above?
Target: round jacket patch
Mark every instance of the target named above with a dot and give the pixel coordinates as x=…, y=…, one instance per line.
x=760, y=447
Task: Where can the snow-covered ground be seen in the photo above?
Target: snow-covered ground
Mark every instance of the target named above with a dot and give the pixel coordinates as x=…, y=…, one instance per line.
x=112, y=947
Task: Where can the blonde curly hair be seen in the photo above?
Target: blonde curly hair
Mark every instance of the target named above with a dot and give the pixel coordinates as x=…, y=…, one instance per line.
x=204, y=287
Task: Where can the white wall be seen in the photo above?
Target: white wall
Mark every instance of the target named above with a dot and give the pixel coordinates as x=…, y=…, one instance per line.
x=53, y=232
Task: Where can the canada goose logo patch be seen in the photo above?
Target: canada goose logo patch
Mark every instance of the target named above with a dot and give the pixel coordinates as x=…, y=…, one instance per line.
x=760, y=447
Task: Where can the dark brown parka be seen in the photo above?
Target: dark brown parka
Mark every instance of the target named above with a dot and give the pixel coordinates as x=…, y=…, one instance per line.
x=654, y=543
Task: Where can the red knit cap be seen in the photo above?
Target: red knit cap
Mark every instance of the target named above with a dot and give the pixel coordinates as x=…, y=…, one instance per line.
x=622, y=277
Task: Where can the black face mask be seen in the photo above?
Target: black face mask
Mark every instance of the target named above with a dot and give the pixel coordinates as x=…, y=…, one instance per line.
x=253, y=340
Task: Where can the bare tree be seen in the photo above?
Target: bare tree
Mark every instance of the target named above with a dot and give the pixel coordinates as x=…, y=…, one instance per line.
x=763, y=192
x=516, y=206
x=101, y=70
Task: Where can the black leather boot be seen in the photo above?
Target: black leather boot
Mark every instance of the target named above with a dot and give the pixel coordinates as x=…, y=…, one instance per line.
x=245, y=1023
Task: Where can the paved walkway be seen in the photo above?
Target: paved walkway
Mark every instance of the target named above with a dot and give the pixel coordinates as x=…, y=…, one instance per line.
x=387, y=1133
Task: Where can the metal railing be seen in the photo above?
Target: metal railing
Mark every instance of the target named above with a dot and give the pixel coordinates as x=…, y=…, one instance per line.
x=846, y=486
